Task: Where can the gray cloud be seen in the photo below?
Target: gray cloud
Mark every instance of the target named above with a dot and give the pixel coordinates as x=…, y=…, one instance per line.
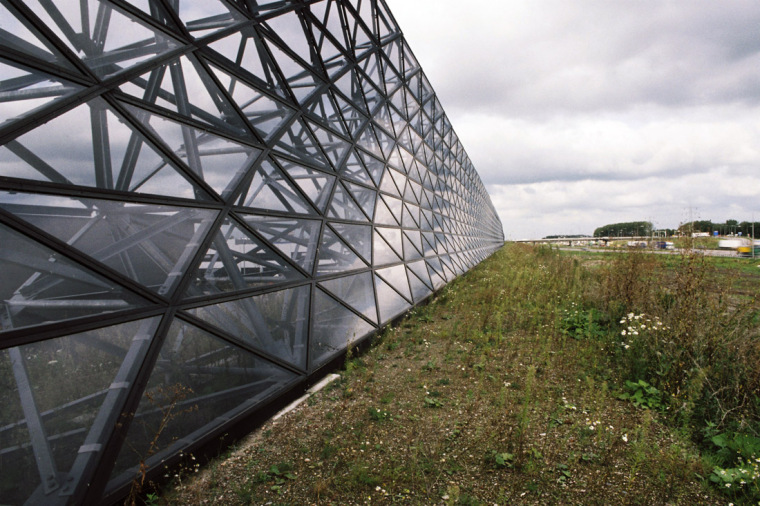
x=577, y=114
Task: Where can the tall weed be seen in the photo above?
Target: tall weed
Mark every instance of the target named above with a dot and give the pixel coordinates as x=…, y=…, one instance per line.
x=705, y=356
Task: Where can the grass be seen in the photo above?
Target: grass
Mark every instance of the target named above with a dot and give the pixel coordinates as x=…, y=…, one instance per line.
x=514, y=386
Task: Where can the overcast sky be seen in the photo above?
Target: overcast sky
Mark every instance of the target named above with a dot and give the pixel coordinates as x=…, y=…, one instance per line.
x=582, y=113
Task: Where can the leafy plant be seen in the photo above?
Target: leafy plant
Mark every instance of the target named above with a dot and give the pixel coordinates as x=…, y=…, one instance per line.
x=431, y=402
x=643, y=395
x=580, y=324
x=501, y=460
x=564, y=473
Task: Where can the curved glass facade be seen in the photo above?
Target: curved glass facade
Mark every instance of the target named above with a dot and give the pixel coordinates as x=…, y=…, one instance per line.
x=201, y=204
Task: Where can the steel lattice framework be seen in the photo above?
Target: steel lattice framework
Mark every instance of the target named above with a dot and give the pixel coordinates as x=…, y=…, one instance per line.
x=203, y=203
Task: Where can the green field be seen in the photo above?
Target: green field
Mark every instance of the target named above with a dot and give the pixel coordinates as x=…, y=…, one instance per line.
x=539, y=377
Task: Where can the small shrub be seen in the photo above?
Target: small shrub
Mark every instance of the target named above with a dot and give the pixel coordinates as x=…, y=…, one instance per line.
x=643, y=395
x=581, y=324
x=500, y=460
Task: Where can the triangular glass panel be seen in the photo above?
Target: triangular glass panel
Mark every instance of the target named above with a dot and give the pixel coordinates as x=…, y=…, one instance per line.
x=400, y=181
x=420, y=269
x=324, y=110
x=364, y=196
x=237, y=260
x=371, y=67
x=413, y=84
x=269, y=189
x=348, y=84
x=434, y=265
x=276, y=323
x=368, y=141
x=410, y=62
x=393, y=237
x=335, y=256
x=400, y=125
x=302, y=81
x=155, y=11
x=359, y=38
x=412, y=107
x=19, y=37
x=394, y=161
x=436, y=279
x=187, y=89
x=220, y=162
x=383, y=253
x=148, y=243
x=407, y=159
x=354, y=119
x=344, y=207
x=332, y=144
x=415, y=174
x=428, y=244
x=383, y=215
x=356, y=291
x=358, y=236
x=388, y=184
x=382, y=119
x=427, y=220
x=411, y=216
x=419, y=289
x=296, y=238
x=333, y=59
x=387, y=27
x=315, y=184
x=440, y=240
x=333, y=328
x=265, y=114
x=393, y=52
x=410, y=251
x=59, y=153
x=364, y=9
x=28, y=90
x=395, y=205
x=299, y=142
x=373, y=98
x=204, y=381
x=455, y=264
x=105, y=51
x=56, y=393
x=374, y=166
x=41, y=286
x=288, y=28
x=328, y=14
x=390, y=303
x=426, y=92
x=415, y=236
x=447, y=269
x=398, y=102
x=353, y=169
x=210, y=16
x=397, y=278
x=252, y=61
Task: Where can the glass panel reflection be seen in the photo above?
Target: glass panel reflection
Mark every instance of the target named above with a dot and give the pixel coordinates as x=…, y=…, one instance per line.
x=41, y=286
x=275, y=322
x=333, y=329
x=197, y=383
x=55, y=395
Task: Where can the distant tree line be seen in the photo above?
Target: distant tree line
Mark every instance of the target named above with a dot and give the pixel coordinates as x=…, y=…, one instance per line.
x=644, y=228
x=629, y=229
x=730, y=227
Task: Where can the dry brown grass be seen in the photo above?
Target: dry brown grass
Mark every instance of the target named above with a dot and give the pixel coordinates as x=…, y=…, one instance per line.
x=476, y=398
